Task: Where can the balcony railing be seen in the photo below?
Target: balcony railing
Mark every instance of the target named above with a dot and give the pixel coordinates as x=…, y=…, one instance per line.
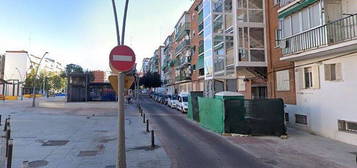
x=182, y=45
x=182, y=30
x=183, y=77
x=338, y=31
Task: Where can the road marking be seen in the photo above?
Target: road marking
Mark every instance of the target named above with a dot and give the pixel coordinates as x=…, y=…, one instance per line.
x=122, y=58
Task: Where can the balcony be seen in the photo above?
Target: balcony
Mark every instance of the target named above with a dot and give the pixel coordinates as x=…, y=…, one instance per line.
x=182, y=30
x=334, y=37
x=181, y=46
x=183, y=77
x=183, y=62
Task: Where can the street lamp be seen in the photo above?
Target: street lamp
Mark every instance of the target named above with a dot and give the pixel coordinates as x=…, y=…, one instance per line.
x=34, y=80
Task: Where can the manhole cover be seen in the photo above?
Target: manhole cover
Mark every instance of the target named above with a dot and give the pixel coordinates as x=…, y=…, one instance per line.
x=37, y=163
x=55, y=143
x=87, y=153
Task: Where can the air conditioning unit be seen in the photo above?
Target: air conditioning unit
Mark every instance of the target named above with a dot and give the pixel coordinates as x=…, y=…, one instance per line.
x=284, y=44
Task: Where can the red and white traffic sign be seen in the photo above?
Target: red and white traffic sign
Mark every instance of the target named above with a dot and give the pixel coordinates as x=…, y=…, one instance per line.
x=121, y=59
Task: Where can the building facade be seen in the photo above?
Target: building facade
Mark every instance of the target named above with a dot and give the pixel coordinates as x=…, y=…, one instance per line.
x=320, y=38
x=15, y=67
x=197, y=61
x=217, y=45
x=281, y=74
x=99, y=76
x=235, y=57
x=146, y=65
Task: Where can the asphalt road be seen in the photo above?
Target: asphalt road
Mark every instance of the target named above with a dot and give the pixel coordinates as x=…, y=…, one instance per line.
x=190, y=146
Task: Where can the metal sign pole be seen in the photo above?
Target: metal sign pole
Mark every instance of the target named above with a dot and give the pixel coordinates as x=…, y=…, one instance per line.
x=121, y=161
x=121, y=144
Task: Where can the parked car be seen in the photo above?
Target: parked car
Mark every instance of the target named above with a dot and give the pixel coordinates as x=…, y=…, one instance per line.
x=167, y=99
x=156, y=98
x=183, y=102
x=173, y=101
x=161, y=98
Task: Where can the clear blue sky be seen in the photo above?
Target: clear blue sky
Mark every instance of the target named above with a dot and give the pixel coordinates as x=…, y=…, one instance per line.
x=83, y=31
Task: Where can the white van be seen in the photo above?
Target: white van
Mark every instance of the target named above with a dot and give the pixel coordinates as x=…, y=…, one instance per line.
x=183, y=102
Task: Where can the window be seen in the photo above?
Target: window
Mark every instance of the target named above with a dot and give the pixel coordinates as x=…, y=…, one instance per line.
x=308, y=77
x=303, y=20
x=295, y=23
x=256, y=37
x=277, y=37
x=257, y=55
x=300, y=119
x=256, y=16
x=315, y=15
x=333, y=72
x=347, y=126
x=255, y=4
x=283, y=80
x=287, y=26
x=242, y=15
x=242, y=3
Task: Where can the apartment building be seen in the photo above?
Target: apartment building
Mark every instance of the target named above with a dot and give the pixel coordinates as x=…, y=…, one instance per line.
x=146, y=65
x=15, y=67
x=197, y=60
x=160, y=52
x=235, y=57
x=183, y=54
x=168, y=64
x=281, y=74
x=320, y=38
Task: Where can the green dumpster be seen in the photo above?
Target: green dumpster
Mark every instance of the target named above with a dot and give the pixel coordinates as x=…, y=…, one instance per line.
x=193, y=110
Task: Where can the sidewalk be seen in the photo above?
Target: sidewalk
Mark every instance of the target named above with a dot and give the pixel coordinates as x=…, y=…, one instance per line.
x=78, y=137
x=301, y=149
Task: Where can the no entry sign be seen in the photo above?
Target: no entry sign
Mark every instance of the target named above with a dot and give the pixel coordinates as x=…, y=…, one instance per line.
x=121, y=59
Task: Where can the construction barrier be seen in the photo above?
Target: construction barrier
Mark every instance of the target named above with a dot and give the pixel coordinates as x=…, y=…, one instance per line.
x=211, y=114
x=233, y=114
x=265, y=116
x=193, y=110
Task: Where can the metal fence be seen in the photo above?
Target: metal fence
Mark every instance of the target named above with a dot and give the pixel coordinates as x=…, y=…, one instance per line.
x=338, y=31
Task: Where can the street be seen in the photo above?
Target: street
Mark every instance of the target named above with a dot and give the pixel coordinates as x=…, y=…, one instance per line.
x=190, y=146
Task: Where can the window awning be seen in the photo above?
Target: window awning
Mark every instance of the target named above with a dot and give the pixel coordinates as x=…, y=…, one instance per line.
x=296, y=7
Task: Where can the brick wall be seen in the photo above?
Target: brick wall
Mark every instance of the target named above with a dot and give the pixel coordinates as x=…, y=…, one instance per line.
x=274, y=55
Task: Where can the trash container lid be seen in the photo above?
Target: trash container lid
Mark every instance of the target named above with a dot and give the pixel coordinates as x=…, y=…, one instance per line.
x=227, y=93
